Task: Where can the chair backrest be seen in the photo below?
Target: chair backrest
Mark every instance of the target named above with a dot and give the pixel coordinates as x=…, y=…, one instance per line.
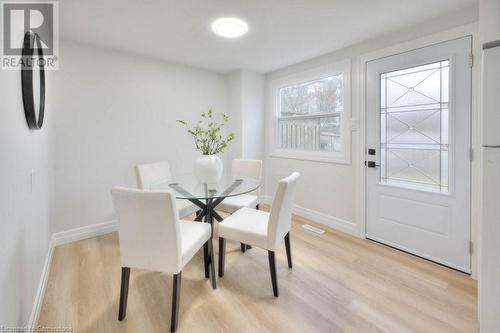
x=148, y=174
x=280, y=219
x=148, y=228
x=247, y=169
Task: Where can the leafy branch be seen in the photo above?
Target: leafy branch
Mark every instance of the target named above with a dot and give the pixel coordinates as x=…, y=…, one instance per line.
x=207, y=133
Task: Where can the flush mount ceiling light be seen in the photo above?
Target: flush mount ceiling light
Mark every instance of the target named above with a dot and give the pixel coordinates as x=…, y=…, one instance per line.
x=229, y=27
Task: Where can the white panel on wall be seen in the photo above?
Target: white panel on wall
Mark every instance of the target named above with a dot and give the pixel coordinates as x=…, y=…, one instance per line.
x=246, y=91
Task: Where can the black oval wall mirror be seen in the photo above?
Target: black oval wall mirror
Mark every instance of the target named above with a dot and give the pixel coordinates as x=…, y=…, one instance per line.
x=33, y=80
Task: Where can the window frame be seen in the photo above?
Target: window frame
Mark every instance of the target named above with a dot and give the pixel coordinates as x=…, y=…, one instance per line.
x=341, y=157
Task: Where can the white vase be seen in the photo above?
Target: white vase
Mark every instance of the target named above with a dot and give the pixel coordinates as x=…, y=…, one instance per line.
x=208, y=168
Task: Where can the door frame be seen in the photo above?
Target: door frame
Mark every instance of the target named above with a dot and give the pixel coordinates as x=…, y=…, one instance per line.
x=361, y=64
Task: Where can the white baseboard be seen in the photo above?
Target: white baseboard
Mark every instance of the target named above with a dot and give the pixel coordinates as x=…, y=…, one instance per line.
x=88, y=231
x=42, y=284
x=321, y=218
x=60, y=238
x=326, y=220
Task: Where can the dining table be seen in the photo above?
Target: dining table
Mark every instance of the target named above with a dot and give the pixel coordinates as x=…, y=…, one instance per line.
x=206, y=196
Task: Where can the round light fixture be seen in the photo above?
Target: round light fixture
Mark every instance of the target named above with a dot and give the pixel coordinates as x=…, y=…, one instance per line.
x=229, y=27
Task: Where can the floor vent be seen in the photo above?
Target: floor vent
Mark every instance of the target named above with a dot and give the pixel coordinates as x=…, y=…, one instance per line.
x=310, y=228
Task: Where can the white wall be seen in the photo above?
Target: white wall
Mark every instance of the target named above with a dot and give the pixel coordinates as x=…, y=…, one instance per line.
x=252, y=114
x=25, y=215
x=489, y=22
x=246, y=108
x=234, y=110
x=327, y=191
x=113, y=112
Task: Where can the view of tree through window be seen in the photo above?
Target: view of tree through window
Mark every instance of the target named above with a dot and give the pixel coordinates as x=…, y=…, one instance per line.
x=310, y=115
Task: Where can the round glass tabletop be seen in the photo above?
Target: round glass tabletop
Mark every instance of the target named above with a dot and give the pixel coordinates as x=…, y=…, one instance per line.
x=187, y=186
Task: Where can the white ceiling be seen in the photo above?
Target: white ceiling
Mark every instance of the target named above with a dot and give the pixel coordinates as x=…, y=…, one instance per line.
x=281, y=32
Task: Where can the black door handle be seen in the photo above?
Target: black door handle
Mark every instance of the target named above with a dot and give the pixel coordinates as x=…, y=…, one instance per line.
x=372, y=164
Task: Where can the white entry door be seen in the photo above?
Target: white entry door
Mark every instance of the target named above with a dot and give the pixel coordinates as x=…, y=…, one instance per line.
x=419, y=150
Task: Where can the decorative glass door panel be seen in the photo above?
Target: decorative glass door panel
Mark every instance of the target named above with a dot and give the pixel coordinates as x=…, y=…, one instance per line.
x=414, y=120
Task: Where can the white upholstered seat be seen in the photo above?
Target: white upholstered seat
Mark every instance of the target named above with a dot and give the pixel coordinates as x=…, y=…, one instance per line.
x=243, y=169
x=246, y=225
x=185, y=207
x=261, y=229
x=149, y=174
x=152, y=237
x=232, y=204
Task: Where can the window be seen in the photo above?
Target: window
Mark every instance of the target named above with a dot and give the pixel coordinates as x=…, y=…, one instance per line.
x=414, y=127
x=311, y=115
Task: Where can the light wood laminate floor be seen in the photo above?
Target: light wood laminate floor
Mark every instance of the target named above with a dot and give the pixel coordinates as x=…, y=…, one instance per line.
x=338, y=284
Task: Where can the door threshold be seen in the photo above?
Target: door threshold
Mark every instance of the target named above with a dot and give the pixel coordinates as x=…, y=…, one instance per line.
x=416, y=255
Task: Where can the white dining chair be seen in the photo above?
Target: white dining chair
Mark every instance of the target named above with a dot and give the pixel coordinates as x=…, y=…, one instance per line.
x=243, y=169
x=262, y=229
x=149, y=174
x=153, y=238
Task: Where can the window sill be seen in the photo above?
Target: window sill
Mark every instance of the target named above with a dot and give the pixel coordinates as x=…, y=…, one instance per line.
x=333, y=158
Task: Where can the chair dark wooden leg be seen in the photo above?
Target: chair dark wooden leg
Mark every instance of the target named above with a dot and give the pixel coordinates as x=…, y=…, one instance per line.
x=222, y=255
x=212, y=264
x=245, y=247
x=288, y=250
x=124, y=293
x=206, y=259
x=272, y=268
x=176, y=297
